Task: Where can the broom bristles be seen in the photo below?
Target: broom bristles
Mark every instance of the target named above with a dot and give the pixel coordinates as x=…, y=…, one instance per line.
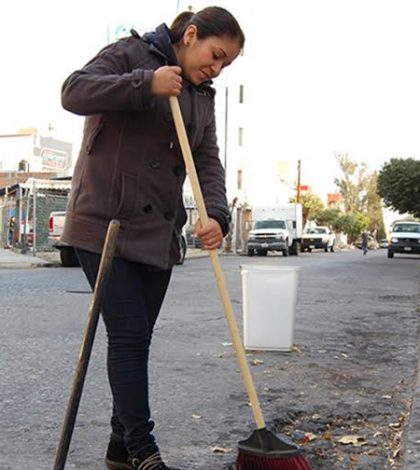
x=254, y=462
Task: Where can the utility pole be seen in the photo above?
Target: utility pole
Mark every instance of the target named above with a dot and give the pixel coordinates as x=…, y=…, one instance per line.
x=298, y=183
x=226, y=126
x=34, y=232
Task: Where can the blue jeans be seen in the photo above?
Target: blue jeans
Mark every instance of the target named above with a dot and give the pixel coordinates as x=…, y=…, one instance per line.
x=131, y=304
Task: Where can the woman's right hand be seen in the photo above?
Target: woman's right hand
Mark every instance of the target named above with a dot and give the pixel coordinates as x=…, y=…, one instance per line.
x=167, y=81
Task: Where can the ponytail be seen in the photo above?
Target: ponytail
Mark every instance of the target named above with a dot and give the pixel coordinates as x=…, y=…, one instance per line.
x=211, y=21
x=179, y=25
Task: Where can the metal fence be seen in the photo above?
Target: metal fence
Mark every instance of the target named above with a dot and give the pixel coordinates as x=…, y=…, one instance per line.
x=24, y=214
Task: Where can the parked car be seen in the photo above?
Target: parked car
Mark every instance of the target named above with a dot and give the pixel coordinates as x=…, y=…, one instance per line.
x=318, y=238
x=68, y=256
x=182, y=247
x=24, y=230
x=383, y=243
x=372, y=243
x=405, y=238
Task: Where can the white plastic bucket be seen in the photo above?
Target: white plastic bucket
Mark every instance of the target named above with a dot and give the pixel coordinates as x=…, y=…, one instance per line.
x=269, y=305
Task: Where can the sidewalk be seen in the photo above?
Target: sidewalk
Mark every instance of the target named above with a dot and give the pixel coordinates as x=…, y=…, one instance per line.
x=14, y=260
x=10, y=259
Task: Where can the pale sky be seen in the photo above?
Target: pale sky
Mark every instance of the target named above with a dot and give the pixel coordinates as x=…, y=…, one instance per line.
x=347, y=72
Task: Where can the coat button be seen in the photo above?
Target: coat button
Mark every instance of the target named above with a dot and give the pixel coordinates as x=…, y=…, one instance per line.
x=155, y=164
x=177, y=170
x=148, y=209
x=169, y=216
x=137, y=83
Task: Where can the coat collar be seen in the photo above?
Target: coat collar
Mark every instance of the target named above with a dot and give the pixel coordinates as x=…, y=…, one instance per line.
x=160, y=44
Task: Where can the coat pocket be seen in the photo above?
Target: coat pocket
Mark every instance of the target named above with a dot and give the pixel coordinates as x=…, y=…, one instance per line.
x=94, y=134
x=127, y=196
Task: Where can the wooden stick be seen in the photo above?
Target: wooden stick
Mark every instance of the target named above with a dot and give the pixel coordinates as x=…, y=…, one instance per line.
x=220, y=279
x=87, y=344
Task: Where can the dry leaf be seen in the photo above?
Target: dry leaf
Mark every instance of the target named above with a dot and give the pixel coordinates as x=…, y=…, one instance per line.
x=196, y=416
x=221, y=450
x=296, y=349
x=353, y=440
x=396, y=453
x=308, y=437
x=257, y=362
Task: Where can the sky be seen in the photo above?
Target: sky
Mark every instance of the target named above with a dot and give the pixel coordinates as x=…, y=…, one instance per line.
x=346, y=73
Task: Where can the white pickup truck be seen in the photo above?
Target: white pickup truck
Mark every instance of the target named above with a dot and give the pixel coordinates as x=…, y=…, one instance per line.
x=404, y=238
x=68, y=256
x=275, y=228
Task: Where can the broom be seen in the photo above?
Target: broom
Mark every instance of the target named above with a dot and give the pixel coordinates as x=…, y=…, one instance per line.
x=87, y=344
x=263, y=450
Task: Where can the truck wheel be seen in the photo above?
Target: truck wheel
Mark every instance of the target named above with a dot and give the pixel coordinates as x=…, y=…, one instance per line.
x=332, y=249
x=286, y=252
x=262, y=252
x=250, y=252
x=326, y=248
x=182, y=250
x=390, y=254
x=68, y=257
x=294, y=249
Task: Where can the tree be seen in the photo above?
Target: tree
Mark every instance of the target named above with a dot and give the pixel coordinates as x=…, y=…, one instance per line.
x=312, y=206
x=352, y=224
x=359, y=190
x=374, y=210
x=399, y=185
x=354, y=184
x=330, y=218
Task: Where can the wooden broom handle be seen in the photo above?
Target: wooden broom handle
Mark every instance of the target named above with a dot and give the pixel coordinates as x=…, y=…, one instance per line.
x=220, y=279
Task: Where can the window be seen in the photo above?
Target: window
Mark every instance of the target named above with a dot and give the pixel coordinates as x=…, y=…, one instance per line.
x=241, y=137
x=241, y=93
x=270, y=224
x=239, y=179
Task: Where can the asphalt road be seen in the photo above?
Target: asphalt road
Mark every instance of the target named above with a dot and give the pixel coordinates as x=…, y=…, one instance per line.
x=351, y=373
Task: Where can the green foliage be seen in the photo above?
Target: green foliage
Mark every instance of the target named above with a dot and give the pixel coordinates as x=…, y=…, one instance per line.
x=399, y=185
x=374, y=210
x=352, y=224
x=312, y=206
x=330, y=218
x=361, y=200
x=353, y=185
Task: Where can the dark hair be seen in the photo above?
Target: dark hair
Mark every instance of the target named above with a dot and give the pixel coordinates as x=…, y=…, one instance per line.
x=211, y=21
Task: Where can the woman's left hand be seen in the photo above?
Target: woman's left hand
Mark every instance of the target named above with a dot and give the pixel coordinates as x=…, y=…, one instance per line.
x=211, y=235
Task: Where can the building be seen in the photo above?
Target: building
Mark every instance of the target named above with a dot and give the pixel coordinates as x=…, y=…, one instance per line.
x=26, y=151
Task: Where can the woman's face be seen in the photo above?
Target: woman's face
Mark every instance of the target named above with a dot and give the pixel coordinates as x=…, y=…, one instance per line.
x=203, y=59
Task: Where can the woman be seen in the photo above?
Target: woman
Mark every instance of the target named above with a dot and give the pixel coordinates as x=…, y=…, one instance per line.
x=130, y=167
